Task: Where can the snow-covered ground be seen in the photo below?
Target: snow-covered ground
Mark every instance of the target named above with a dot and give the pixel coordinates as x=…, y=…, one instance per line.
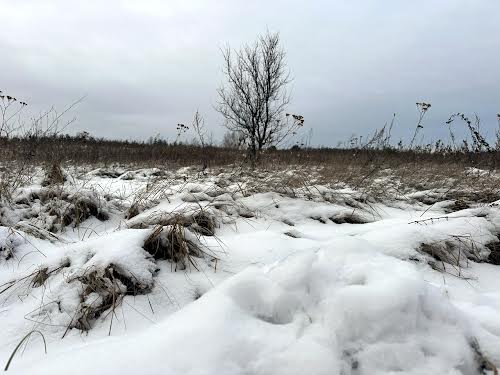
x=273, y=279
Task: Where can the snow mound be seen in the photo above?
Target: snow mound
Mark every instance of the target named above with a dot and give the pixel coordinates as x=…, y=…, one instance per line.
x=84, y=280
x=54, y=208
x=9, y=240
x=333, y=311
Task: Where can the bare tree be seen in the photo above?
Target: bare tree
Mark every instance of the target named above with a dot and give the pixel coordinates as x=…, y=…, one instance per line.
x=254, y=98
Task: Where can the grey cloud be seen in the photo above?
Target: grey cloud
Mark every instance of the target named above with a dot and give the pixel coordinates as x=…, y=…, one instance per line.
x=146, y=66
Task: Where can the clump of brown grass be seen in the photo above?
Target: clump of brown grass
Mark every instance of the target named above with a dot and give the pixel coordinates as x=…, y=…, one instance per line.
x=321, y=219
x=453, y=254
x=108, y=173
x=200, y=220
x=484, y=364
x=349, y=218
x=177, y=244
x=6, y=251
x=440, y=253
x=132, y=211
x=40, y=277
x=35, y=279
x=54, y=175
x=459, y=205
x=37, y=232
x=81, y=209
x=494, y=248
x=203, y=223
x=59, y=208
x=10, y=239
x=103, y=290
x=153, y=193
x=293, y=233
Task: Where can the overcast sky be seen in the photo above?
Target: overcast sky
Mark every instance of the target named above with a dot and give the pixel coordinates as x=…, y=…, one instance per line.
x=145, y=66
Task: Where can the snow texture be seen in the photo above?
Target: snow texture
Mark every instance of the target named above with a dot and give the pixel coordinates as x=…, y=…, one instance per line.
x=295, y=283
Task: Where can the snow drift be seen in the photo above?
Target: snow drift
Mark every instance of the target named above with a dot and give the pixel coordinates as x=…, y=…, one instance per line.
x=341, y=310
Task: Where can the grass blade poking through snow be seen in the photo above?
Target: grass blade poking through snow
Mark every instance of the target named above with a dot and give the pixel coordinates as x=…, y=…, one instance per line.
x=21, y=343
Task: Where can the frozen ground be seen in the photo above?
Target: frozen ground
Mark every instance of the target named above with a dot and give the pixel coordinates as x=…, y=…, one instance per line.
x=179, y=272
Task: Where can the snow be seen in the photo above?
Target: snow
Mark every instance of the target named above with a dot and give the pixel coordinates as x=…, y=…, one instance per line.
x=9, y=241
x=326, y=298
x=329, y=310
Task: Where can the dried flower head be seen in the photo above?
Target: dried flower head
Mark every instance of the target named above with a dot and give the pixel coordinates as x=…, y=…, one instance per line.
x=298, y=119
x=423, y=106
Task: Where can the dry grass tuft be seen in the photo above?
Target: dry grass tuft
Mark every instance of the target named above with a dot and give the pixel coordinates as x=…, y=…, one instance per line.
x=35, y=279
x=6, y=251
x=459, y=205
x=349, y=218
x=200, y=220
x=133, y=211
x=103, y=290
x=40, y=277
x=203, y=223
x=155, y=191
x=293, y=233
x=170, y=243
x=494, y=247
x=37, y=232
x=440, y=253
x=177, y=244
x=453, y=254
x=54, y=208
x=485, y=366
x=10, y=239
x=321, y=219
x=54, y=175
x=82, y=208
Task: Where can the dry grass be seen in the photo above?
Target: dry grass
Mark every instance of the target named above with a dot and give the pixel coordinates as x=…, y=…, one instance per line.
x=375, y=173
x=57, y=208
x=453, y=254
x=484, y=364
x=23, y=340
x=103, y=290
x=176, y=244
x=349, y=218
x=494, y=257
x=34, y=279
x=369, y=176
x=54, y=175
x=204, y=223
